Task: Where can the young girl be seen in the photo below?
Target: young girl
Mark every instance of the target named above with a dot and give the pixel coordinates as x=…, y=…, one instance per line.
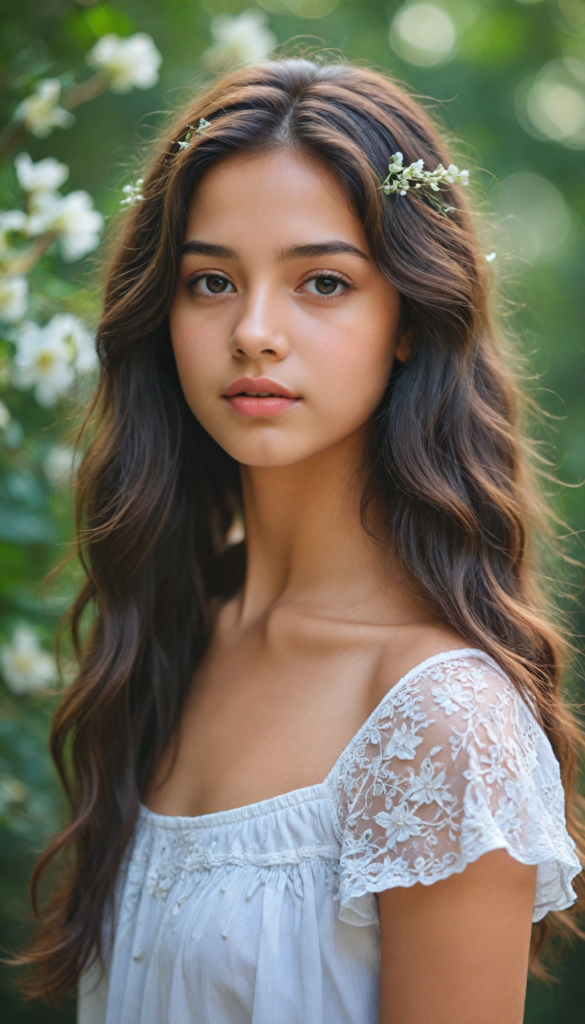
x=315, y=773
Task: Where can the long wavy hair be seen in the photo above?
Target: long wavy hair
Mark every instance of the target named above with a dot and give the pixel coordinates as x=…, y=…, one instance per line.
x=157, y=496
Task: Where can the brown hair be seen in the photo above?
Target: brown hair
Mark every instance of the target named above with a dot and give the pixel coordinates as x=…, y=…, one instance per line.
x=156, y=496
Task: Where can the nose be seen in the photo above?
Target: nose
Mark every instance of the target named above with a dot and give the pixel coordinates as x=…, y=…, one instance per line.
x=256, y=333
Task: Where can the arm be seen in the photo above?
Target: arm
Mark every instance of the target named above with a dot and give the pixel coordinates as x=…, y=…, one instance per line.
x=456, y=952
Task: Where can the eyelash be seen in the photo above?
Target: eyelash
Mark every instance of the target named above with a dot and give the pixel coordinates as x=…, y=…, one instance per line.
x=330, y=274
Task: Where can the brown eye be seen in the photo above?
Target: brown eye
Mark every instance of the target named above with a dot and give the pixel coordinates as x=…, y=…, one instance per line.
x=326, y=285
x=212, y=284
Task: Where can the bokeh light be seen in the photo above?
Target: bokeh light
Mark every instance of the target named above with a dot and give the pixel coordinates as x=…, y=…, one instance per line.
x=536, y=221
x=423, y=34
x=553, y=105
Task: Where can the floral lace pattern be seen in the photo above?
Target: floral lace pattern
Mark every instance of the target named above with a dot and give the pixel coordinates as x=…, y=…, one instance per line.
x=451, y=765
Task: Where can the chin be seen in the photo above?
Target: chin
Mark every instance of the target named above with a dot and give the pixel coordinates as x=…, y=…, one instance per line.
x=268, y=452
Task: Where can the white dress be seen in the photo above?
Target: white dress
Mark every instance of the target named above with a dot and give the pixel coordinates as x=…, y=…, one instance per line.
x=267, y=914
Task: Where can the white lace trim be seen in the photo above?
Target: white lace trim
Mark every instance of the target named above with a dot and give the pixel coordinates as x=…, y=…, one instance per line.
x=451, y=765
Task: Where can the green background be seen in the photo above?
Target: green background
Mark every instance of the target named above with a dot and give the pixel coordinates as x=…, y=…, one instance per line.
x=502, y=45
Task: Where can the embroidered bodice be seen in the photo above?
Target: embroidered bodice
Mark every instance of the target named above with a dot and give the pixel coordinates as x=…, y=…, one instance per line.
x=249, y=915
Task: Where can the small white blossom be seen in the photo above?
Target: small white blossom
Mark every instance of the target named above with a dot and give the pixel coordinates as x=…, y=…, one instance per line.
x=240, y=39
x=186, y=142
x=13, y=297
x=70, y=329
x=60, y=464
x=400, y=824
x=403, y=743
x=426, y=788
x=25, y=666
x=42, y=361
x=45, y=176
x=415, y=177
x=40, y=112
x=132, y=193
x=12, y=791
x=130, y=63
x=73, y=220
x=5, y=416
x=490, y=257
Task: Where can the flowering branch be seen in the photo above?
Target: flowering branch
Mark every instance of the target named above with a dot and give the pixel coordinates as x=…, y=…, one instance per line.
x=414, y=177
x=24, y=263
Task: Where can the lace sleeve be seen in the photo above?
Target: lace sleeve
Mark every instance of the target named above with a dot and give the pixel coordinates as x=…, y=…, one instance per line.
x=451, y=764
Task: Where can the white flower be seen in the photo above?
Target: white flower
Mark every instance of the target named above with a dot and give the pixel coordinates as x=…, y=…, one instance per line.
x=12, y=791
x=399, y=824
x=240, y=39
x=414, y=176
x=41, y=112
x=73, y=220
x=427, y=787
x=26, y=667
x=42, y=361
x=490, y=257
x=130, y=63
x=60, y=464
x=497, y=772
x=13, y=297
x=45, y=176
x=132, y=193
x=452, y=696
x=5, y=416
x=403, y=743
x=506, y=815
x=70, y=329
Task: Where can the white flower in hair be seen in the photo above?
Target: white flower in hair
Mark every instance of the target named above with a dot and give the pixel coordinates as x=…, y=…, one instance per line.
x=401, y=179
x=130, y=63
x=132, y=193
x=40, y=112
x=186, y=142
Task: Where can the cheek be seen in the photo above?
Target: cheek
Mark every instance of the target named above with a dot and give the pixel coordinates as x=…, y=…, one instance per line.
x=352, y=367
x=195, y=352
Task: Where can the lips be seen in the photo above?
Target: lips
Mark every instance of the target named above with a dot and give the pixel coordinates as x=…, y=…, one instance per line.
x=257, y=385
x=259, y=396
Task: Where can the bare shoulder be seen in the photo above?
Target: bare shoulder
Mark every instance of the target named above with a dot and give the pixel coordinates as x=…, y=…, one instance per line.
x=403, y=650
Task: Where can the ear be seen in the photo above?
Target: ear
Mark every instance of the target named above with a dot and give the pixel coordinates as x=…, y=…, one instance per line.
x=404, y=347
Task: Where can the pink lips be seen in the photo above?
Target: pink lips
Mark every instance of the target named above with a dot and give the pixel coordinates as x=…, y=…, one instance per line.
x=275, y=399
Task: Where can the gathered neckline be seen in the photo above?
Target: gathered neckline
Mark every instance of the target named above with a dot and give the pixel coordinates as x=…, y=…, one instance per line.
x=305, y=794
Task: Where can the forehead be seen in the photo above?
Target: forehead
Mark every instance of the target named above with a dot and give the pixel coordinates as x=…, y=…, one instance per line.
x=280, y=194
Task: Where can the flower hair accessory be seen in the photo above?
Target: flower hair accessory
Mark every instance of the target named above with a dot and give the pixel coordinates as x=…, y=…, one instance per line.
x=132, y=193
x=186, y=142
x=401, y=179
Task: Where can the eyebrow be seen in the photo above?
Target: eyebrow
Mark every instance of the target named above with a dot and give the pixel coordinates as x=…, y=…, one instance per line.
x=334, y=247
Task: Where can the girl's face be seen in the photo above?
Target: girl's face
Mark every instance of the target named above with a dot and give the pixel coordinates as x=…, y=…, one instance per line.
x=277, y=295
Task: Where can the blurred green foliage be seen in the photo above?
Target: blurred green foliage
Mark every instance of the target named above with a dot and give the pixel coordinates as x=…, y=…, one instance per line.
x=508, y=79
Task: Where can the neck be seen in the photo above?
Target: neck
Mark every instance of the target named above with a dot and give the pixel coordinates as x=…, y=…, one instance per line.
x=304, y=539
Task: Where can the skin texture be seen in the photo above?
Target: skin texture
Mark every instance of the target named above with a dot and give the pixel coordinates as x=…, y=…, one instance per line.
x=323, y=626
